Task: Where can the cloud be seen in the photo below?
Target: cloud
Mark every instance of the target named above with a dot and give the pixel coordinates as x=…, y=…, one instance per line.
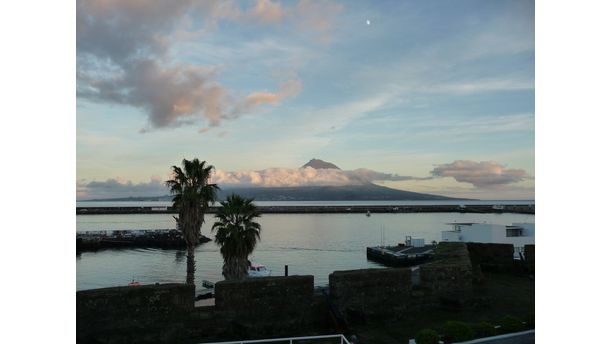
x=369, y=175
x=121, y=29
x=119, y=188
x=313, y=17
x=276, y=177
x=482, y=174
x=479, y=86
x=267, y=11
x=317, y=16
x=308, y=176
x=123, y=58
x=270, y=177
x=289, y=89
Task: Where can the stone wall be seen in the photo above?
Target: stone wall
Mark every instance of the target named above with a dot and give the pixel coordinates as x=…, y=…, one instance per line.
x=371, y=293
x=145, y=314
x=492, y=257
x=530, y=257
x=266, y=306
x=363, y=295
x=449, y=277
x=270, y=306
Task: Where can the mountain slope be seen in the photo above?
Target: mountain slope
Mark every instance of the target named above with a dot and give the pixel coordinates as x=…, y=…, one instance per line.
x=320, y=164
x=365, y=192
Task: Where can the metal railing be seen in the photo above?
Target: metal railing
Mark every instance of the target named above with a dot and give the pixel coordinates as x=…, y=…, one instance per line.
x=340, y=337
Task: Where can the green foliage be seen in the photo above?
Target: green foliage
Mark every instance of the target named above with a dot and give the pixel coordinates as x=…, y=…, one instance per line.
x=237, y=234
x=483, y=329
x=510, y=324
x=427, y=336
x=193, y=194
x=457, y=331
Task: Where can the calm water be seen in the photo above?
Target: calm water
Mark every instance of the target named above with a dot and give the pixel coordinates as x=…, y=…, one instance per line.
x=167, y=203
x=313, y=244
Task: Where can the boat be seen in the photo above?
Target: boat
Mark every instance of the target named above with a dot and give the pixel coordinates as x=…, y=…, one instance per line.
x=258, y=270
x=517, y=234
x=409, y=253
x=134, y=283
x=209, y=291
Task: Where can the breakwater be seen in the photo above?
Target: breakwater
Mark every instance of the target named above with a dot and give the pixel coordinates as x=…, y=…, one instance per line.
x=164, y=238
x=330, y=209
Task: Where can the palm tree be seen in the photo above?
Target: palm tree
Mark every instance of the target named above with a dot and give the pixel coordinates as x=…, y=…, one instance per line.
x=237, y=234
x=193, y=194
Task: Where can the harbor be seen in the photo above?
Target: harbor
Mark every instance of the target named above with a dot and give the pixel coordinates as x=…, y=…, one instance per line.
x=308, y=243
x=328, y=209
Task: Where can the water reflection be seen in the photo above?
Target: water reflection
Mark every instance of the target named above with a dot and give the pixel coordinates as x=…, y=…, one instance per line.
x=179, y=256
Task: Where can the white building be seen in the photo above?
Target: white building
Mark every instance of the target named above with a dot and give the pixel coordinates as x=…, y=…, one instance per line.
x=518, y=234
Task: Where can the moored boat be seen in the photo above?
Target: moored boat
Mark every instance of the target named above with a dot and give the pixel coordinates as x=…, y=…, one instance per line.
x=258, y=270
x=409, y=253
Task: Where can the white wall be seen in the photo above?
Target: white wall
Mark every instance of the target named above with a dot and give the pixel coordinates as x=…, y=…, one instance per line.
x=528, y=228
x=450, y=236
x=491, y=233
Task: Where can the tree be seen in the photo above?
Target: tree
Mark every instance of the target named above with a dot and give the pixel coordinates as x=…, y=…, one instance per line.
x=193, y=194
x=237, y=234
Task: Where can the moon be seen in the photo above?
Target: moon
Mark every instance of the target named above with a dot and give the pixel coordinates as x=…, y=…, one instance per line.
x=367, y=21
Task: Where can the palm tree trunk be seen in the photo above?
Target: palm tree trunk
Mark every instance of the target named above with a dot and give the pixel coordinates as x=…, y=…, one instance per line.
x=235, y=268
x=191, y=265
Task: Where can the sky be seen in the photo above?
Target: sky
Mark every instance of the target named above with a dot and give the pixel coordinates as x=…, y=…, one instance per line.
x=425, y=96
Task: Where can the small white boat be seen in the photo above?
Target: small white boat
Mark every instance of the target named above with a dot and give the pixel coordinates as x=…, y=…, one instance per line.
x=208, y=292
x=258, y=270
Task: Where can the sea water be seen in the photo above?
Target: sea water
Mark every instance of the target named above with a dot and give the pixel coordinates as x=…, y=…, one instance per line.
x=310, y=244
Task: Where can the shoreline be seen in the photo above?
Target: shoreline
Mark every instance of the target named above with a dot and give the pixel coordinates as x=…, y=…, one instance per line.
x=329, y=209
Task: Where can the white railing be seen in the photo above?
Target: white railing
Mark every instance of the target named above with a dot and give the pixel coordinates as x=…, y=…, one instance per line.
x=340, y=337
x=500, y=337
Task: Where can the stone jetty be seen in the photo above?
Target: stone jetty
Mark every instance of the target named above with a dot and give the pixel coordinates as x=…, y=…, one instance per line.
x=158, y=238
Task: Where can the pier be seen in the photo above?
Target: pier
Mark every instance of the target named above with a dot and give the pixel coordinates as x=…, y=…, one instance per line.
x=157, y=238
x=330, y=209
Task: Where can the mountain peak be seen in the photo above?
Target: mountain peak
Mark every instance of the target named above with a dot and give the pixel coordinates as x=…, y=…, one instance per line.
x=320, y=164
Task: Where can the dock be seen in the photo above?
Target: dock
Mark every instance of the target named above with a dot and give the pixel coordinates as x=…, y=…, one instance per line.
x=144, y=238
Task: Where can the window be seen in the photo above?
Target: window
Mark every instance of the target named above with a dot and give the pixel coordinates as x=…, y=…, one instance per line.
x=514, y=231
